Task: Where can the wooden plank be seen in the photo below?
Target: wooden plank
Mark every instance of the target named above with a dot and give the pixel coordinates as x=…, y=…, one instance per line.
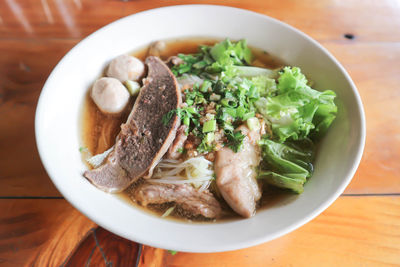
x=39, y=232
x=373, y=66
x=354, y=231
x=376, y=72
x=324, y=20
x=359, y=231
x=23, y=71
x=100, y=248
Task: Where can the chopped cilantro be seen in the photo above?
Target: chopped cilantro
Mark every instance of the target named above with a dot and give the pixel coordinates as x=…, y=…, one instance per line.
x=167, y=117
x=233, y=96
x=235, y=140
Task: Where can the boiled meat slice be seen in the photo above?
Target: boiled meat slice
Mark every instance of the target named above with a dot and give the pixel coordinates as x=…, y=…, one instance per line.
x=186, y=196
x=236, y=174
x=178, y=144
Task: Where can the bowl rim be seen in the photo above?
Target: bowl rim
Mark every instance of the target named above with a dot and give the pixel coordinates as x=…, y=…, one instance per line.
x=255, y=241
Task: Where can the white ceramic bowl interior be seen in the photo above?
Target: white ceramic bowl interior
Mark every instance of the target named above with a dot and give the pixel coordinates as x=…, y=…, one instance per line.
x=59, y=109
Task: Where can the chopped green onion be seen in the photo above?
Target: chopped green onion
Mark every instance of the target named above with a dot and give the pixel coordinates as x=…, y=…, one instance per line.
x=224, y=116
x=200, y=100
x=204, y=87
x=200, y=64
x=168, y=212
x=186, y=121
x=184, y=68
x=231, y=111
x=215, y=97
x=219, y=87
x=210, y=116
x=133, y=87
x=248, y=115
x=195, y=86
x=167, y=117
x=209, y=137
x=191, y=110
x=240, y=111
x=228, y=127
x=209, y=126
x=229, y=102
x=253, y=124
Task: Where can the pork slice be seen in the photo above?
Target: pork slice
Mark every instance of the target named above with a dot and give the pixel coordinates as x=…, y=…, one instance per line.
x=236, y=174
x=156, y=48
x=188, y=198
x=179, y=142
x=144, y=138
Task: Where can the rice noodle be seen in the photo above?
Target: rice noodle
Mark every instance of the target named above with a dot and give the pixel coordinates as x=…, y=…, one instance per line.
x=204, y=186
x=196, y=171
x=183, y=181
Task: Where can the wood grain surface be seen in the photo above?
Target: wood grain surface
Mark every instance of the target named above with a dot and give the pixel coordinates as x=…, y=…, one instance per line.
x=352, y=231
x=370, y=20
x=39, y=228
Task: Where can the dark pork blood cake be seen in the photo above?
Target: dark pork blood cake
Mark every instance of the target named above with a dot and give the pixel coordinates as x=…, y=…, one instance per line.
x=144, y=138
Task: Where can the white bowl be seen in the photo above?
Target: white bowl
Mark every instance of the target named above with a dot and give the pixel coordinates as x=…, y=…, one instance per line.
x=61, y=100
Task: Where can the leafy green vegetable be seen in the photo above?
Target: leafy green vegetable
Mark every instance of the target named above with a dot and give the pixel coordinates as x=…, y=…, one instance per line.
x=186, y=114
x=228, y=53
x=253, y=124
x=167, y=117
x=237, y=93
x=294, y=184
x=205, y=86
x=287, y=159
x=288, y=166
x=250, y=71
x=187, y=65
x=292, y=80
x=297, y=109
x=265, y=86
x=235, y=140
x=206, y=145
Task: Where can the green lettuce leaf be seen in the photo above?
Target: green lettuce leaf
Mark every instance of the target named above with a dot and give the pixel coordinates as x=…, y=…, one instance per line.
x=251, y=71
x=265, y=86
x=282, y=181
x=227, y=53
x=287, y=165
x=297, y=110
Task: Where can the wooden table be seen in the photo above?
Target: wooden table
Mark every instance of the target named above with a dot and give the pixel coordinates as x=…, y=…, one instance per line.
x=362, y=228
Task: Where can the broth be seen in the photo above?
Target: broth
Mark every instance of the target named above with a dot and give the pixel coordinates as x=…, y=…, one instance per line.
x=100, y=130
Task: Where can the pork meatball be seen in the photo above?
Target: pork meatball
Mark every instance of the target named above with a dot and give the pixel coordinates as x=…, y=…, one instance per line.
x=110, y=95
x=126, y=68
